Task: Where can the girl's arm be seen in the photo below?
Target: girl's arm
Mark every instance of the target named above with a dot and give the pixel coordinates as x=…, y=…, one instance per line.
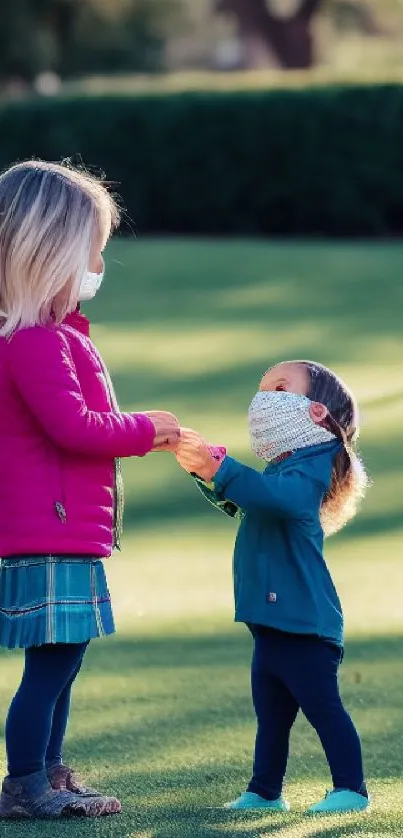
x=226, y=506
x=44, y=373
x=289, y=493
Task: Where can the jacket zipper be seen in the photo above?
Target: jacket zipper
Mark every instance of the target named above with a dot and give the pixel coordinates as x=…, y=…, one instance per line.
x=59, y=504
x=118, y=488
x=60, y=511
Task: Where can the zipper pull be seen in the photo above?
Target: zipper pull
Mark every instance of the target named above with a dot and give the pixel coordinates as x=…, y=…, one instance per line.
x=60, y=511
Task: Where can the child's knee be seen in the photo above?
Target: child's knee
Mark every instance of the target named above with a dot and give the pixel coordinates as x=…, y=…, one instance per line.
x=317, y=707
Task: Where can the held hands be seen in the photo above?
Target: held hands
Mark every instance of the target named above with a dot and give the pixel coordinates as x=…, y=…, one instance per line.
x=194, y=455
x=167, y=430
x=190, y=448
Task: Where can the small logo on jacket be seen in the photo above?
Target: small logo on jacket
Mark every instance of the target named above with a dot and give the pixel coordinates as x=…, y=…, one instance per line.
x=271, y=597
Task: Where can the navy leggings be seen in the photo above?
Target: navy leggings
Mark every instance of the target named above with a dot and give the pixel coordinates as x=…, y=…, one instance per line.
x=38, y=715
x=290, y=672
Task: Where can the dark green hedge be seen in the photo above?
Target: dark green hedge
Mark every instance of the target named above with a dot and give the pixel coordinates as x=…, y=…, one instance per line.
x=284, y=162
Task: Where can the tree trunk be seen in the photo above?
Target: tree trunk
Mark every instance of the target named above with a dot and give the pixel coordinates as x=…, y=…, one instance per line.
x=60, y=16
x=290, y=39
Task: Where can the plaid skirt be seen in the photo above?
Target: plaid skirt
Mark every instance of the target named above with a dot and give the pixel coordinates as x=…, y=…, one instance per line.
x=53, y=599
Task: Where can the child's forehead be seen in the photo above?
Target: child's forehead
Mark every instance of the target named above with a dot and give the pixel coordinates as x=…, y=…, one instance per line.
x=288, y=375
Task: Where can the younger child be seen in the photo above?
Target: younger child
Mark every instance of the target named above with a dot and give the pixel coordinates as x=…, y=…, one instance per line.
x=303, y=422
x=61, y=433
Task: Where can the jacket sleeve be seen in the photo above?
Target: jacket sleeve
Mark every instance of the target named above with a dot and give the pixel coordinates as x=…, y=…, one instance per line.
x=290, y=493
x=43, y=371
x=209, y=492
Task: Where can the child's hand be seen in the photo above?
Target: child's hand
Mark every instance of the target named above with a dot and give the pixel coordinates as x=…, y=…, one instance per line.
x=194, y=455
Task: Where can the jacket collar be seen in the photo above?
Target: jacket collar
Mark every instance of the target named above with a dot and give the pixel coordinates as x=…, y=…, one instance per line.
x=78, y=321
x=331, y=447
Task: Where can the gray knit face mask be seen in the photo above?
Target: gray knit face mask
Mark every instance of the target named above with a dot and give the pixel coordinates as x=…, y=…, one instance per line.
x=280, y=422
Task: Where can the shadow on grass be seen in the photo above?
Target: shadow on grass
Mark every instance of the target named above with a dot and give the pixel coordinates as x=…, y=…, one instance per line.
x=224, y=649
x=345, y=287
x=170, y=821
x=200, y=688
x=337, y=303
x=159, y=692
x=178, y=822
x=165, y=724
x=328, y=298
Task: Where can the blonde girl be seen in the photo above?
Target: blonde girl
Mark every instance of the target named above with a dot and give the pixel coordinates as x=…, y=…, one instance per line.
x=61, y=437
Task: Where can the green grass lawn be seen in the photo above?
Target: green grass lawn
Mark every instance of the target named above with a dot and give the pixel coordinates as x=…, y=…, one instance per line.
x=162, y=713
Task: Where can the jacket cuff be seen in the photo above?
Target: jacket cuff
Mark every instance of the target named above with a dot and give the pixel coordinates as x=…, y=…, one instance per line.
x=217, y=451
x=146, y=434
x=229, y=469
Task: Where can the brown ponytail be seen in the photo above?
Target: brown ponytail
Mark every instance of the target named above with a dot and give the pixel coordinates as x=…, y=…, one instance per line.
x=348, y=485
x=349, y=479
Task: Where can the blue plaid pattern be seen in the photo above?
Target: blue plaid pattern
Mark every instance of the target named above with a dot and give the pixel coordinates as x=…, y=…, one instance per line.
x=53, y=599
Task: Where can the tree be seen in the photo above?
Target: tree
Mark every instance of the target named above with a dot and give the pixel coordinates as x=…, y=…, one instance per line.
x=290, y=39
x=33, y=36
x=72, y=37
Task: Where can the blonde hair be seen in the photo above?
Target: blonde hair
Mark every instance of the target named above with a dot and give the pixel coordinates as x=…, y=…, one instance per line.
x=49, y=216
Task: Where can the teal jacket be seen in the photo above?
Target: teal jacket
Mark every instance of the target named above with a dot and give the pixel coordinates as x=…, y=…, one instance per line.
x=281, y=579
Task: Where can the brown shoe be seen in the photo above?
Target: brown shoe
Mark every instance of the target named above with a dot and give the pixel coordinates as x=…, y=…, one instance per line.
x=32, y=796
x=63, y=778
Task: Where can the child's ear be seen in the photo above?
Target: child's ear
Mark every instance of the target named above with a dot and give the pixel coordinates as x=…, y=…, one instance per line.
x=318, y=412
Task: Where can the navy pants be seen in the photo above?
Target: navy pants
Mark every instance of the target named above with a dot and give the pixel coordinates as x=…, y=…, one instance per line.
x=38, y=715
x=292, y=672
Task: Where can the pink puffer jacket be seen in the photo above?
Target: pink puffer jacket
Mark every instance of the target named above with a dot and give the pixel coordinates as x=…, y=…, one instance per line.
x=58, y=440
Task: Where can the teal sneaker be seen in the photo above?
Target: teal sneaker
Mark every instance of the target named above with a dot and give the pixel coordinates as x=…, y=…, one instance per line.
x=250, y=800
x=339, y=801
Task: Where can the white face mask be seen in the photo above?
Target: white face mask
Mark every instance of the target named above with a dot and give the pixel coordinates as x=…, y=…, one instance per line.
x=280, y=422
x=90, y=284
